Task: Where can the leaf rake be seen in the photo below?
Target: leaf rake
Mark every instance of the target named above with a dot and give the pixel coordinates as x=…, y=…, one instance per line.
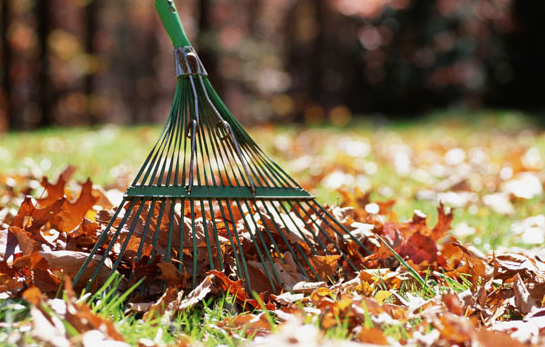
x=208, y=198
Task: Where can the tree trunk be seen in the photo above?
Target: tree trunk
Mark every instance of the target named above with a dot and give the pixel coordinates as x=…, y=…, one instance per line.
x=5, y=95
x=43, y=92
x=91, y=22
x=205, y=51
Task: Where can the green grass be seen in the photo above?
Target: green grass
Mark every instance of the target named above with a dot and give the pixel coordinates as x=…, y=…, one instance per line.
x=106, y=153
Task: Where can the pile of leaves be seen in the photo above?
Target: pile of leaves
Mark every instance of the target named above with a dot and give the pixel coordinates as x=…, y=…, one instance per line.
x=420, y=286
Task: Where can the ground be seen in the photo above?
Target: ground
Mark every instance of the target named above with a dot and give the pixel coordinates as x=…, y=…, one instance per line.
x=487, y=166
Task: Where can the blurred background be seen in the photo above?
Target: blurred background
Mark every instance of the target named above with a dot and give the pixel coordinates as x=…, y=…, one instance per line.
x=87, y=62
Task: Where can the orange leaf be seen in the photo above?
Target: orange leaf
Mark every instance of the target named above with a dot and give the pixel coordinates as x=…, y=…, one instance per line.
x=56, y=191
x=443, y=223
x=325, y=265
x=73, y=213
x=33, y=295
x=372, y=335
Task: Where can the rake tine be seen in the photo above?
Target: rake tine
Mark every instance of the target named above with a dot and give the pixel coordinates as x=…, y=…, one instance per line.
x=98, y=244
x=256, y=246
x=170, y=230
x=309, y=244
x=358, y=242
x=201, y=148
x=154, y=165
x=323, y=232
x=275, y=246
x=175, y=148
x=242, y=159
x=138, y=175
x=212, y=140
x=286, y=242
x=223, y=155
x=182, y=231
x=265, y=247
x=242, y=258
x=157, y=230
x=179, y=137
x=306, y=225
x=192, y=158
x=233, y=162
x=233, y=138
x=185, y=123
x=193, y=231
x=234, y=246
x=309, y=264
x=343, y=255
x=163, y=164
x=206, y=237
x=218, y=246
x=260, y=164
x=257, y=172
x=128, y=237
x=111, y=244
x=312, y=249
x=146, y=228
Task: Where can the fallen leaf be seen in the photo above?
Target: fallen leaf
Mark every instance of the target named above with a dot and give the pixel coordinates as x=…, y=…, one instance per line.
x=325, y=265
x=170, y=274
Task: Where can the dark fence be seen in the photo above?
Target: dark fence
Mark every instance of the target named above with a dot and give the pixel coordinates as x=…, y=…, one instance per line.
x=67, y=62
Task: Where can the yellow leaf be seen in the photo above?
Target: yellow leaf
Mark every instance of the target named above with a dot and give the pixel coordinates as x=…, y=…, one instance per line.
x=382, y=295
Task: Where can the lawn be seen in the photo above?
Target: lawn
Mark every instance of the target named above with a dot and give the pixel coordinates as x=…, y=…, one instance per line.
x=487, y=166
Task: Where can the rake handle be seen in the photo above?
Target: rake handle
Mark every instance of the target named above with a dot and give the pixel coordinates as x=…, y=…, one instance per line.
x=172, y=23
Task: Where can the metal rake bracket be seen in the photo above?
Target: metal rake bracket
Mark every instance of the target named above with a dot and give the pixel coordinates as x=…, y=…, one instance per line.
x=188, y=62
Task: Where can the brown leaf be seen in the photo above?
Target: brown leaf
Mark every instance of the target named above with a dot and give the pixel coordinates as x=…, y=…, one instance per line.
x=255, y=325
x=42, y=216
x=33, y=261
x=166, y=306
x=325, y=265
x=170, y=274
x=26, y=243
x=287, y=298
x=69, y=262
x=523, y=299
x=307, y=287
x=199, y=293
x=25, y=210
x=258, y=278
x=80, y=316
x=47, y=281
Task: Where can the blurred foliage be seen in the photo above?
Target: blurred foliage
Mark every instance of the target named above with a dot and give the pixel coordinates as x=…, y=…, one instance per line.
x=68, y=62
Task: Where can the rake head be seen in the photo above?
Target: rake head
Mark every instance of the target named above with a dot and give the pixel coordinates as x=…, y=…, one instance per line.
x=208, y=198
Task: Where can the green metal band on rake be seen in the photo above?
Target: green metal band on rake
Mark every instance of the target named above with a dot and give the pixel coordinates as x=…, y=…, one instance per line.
x=219, y=192
x=208, y=196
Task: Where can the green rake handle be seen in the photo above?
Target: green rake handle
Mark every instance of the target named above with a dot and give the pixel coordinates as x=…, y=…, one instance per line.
x=172, y=23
